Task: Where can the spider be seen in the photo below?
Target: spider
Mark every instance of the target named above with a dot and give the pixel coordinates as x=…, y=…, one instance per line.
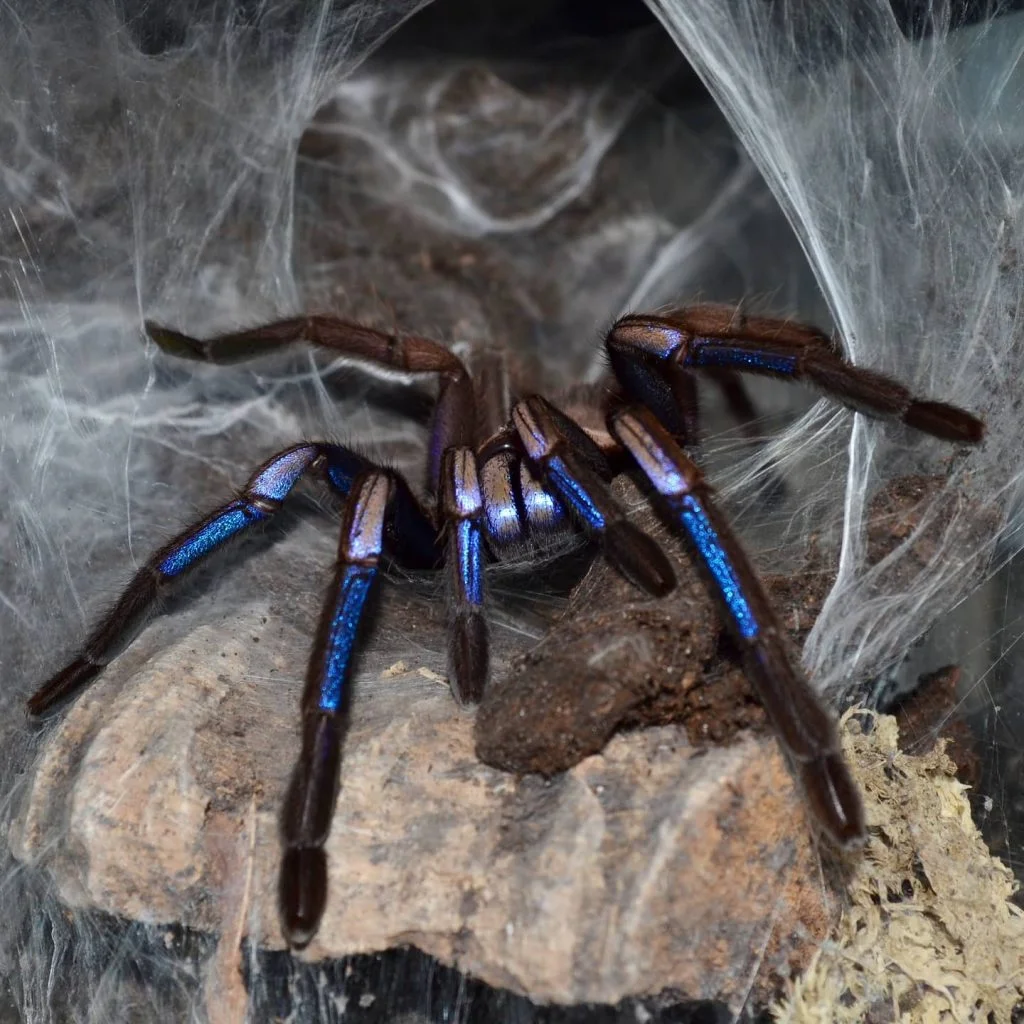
x=500, y=472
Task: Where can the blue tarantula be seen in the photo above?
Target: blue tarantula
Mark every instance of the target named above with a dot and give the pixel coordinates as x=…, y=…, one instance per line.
x=505, y=465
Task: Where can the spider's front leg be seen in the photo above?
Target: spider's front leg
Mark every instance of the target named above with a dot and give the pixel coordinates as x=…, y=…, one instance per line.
x=259, y=500
x=378, y=352
x=309, y=805
x=806, y=728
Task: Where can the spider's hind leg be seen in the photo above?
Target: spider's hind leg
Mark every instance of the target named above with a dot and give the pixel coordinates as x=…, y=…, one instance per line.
x=650, y=353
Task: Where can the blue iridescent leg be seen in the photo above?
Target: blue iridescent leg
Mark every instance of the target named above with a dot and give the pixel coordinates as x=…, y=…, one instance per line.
x=571, y=466
x=805, y=726
x=412, y=542
x=259, y=500
x=462, y=512
x=651, y=355
x=309, y=805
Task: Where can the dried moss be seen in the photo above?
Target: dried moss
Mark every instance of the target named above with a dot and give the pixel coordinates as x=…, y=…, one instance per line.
x=930, y=934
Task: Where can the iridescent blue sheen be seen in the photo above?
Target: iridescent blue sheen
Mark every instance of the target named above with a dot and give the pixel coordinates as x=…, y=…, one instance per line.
x=276, y=480
x=573, y=494
x=503, y=520
x=656, y=464
x=543, y=510
x=662, y=340
x=695, y=521
x=468, y=501
x=343, y=467
x=366, y=531
x=711, y=352
x=471, y=561
x=229, y=521
x=341, y=640
x=500, y=508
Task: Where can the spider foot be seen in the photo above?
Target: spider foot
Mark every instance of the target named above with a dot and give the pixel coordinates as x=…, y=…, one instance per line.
x=303, y=894
x=81, y=671
x=948, y=422
x=468, y=656
x=638, y=558
x=834, y=799
x=174, y=342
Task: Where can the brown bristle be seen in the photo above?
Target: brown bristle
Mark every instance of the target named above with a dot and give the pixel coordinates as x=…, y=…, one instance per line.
x=949, y=422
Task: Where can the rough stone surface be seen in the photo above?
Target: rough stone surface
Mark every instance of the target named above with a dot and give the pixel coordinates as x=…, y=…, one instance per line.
x=653, y=865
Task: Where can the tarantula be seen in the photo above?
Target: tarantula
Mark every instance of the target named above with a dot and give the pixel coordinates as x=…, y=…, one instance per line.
x=500, y=471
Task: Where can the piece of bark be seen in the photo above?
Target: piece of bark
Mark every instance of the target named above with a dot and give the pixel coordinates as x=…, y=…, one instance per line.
x=616, y=660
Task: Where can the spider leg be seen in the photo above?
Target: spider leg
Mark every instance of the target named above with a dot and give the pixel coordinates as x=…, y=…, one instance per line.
x=544, y=512
x=386, y=354
x=411, y=533
x=649, y=353
x=259, y=500
x=805, y=726
x=574, y=468
x=309, y=805
x=462, y=510
x=504, y=514
x=515, y=501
